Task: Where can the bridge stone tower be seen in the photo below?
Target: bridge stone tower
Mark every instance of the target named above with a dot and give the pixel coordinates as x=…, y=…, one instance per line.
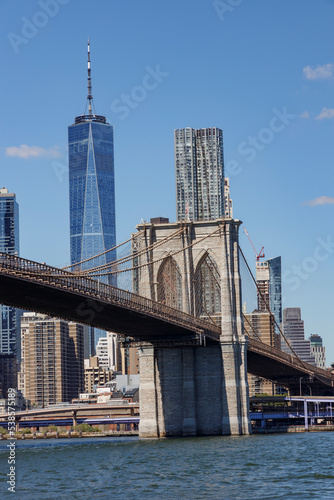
x=189, y=389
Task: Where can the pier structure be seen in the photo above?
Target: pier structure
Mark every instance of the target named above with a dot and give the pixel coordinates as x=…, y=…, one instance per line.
x=193, y=386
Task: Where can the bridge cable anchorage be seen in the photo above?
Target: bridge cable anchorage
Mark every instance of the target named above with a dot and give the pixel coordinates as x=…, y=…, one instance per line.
x=132, y=255
x=125, y=259
x=269, y=310
x=157, y=260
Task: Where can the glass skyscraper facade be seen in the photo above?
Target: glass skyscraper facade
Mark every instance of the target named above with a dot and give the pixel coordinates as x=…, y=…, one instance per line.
x=92, y=190
x=199, y=169
x=275, y=287
x=269, y=280
x=9, y=243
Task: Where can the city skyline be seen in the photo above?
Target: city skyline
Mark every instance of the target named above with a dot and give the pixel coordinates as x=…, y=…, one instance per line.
x=276, y=117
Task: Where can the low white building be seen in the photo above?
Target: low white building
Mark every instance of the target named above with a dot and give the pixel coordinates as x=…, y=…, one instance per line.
x=106, y=351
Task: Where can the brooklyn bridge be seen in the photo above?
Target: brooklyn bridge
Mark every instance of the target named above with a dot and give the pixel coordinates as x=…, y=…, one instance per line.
x=176, y=294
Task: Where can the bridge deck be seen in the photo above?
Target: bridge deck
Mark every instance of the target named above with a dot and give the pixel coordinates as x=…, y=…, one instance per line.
x=37, y=287
x=41, y=288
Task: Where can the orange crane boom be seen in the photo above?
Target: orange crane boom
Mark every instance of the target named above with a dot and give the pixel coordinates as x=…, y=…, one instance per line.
x=259, y=255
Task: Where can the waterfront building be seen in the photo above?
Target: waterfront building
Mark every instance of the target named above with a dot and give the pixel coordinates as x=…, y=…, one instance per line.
x=107, y=350
x=125, y=383
x=8, y=373
x=261, y=326
x=293, y=330
x=52, y=359
x=115, y=356
x=17, y=401
x=95, y=375
x=199, y=170
x=269, y=281
x=92, y=191
x=129, y=360
x=318, y=351
x=9, y=243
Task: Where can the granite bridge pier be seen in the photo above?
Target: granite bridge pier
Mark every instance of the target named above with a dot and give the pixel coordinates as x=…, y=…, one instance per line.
x=194, y=387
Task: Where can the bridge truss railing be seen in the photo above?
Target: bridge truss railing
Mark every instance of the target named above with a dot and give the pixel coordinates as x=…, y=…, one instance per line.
x=262, y=348
x=40, y=272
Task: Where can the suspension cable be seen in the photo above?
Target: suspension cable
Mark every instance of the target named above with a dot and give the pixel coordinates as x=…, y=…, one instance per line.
x=132, y=256
x=157, y=260
x=252, y=327
x=268, y=308
x=102, y=253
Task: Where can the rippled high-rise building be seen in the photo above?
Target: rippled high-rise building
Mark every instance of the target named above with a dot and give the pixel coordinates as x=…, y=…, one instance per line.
x=199, y=169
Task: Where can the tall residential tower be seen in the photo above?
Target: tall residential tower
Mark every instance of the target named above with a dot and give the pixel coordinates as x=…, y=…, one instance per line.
x=52, y=368
x=199, y=168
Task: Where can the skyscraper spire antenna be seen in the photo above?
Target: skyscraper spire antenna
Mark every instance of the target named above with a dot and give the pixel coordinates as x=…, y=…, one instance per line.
x=91, y=115
x=89, y=96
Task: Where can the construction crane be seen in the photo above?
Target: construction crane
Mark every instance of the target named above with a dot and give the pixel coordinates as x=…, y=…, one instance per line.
x=259, y=255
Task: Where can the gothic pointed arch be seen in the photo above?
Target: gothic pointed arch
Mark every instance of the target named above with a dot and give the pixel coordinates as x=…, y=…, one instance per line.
x=169, y=280
x=207, y=288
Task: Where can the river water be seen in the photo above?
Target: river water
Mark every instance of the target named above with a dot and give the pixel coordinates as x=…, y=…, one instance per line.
x=280, y=466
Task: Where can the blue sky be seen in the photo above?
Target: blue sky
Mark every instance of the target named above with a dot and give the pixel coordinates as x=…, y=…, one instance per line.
x=262, y=71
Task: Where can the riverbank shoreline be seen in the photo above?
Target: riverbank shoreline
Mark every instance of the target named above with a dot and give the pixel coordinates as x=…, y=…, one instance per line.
x=67, y=434
x=293, y=429
x=110, y=434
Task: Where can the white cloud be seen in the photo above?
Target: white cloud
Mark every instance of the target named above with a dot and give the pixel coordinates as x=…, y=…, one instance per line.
x=306, y=114
x=325, y=113
x=26, y=152
x=321, y=200
x=319, y=73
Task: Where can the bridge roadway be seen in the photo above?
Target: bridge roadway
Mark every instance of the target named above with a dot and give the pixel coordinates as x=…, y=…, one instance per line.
x=117, y=411
x=37, y=287
x=284, y=411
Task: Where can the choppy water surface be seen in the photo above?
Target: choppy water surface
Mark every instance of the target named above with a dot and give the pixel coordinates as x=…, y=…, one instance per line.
x=286, y=466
